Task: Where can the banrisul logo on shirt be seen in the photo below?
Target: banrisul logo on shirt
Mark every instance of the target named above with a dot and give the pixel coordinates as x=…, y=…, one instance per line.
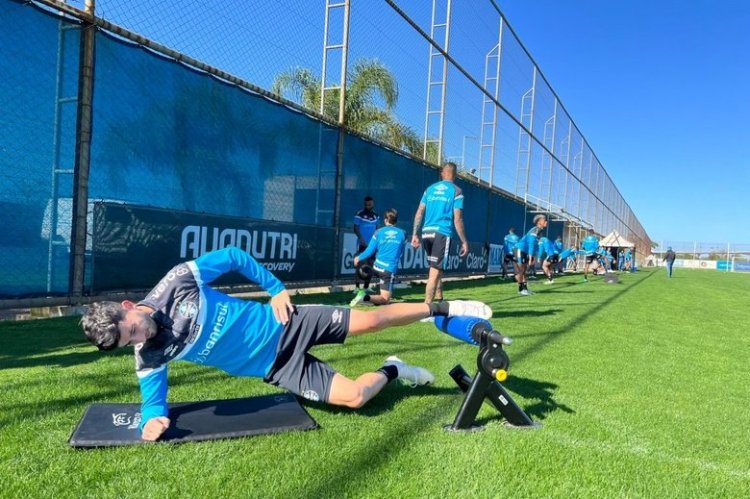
x=187, y=309
x=216, y=331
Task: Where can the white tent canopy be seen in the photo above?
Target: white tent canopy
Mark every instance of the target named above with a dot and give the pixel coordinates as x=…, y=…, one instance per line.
x=615, y=240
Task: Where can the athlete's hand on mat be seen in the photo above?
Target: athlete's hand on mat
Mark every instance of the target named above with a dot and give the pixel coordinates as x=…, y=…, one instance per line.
x=154, y=427
x=282, y=307
x=464, y=249
x=415, y=241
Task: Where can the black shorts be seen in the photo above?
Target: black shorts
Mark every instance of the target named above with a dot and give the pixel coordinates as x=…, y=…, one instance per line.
x=553, y=259
x=509, y=258
x=294, y=368
x=436, y=246
x=386, y=278
x=521, y=257
x=590, y=259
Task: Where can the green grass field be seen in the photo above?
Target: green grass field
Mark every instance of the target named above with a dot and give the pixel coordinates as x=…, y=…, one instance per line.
x=641, y=387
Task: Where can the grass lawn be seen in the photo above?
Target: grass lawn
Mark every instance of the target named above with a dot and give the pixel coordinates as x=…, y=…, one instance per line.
x=641, y=387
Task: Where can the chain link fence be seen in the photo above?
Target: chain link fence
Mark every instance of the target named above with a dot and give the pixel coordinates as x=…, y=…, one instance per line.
x=228, y=108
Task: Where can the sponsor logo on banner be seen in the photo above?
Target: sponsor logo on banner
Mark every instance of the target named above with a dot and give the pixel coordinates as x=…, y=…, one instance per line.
x=741, y=266
x=495, y=264
x=277, y=251
x=349, y=247
x=413, y=260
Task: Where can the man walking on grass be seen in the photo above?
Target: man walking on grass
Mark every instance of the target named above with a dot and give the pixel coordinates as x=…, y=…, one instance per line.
x=441, y=208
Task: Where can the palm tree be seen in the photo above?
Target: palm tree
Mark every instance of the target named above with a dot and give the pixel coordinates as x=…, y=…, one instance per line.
x=371, y=96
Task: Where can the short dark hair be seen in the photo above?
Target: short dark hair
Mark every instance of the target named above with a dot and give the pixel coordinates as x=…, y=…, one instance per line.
x=512, y=229
x=391, y=216
x=100, y=324
x=450, y=165
x=368, y=198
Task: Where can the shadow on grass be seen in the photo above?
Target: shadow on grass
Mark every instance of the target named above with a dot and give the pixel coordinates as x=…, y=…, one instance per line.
x=62, y=359
x=541, y=391
x=525, y=313
x=549, y=336
x=385, y=401
x=111, y=386
x=46, y=342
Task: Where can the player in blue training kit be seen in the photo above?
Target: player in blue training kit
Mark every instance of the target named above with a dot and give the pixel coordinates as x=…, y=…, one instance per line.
x=568, y=255
x=525, y=247
x=550, y=261
x=389, y=243
x=441, y=207
x=589, y=246
x=560, y=267
x=628, y=259
x=184, y=318
x=365, y=225
x=509, y=242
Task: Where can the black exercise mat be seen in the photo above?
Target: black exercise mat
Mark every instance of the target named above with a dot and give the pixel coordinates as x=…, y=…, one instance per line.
x=106, y=425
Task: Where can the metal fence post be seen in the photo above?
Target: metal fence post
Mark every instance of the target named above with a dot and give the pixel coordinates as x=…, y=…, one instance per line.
x=83, y=154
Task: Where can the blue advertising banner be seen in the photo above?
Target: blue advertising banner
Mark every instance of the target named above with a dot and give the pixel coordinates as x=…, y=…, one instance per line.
x=414, y=262
x=723, y=265
x=134, y=246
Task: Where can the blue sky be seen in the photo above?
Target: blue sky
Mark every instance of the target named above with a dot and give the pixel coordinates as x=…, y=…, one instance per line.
x=660, y=90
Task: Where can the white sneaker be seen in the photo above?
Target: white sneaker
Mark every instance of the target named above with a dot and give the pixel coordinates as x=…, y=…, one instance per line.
x=549, y=281
x=524, y=292
x=470, y=308
x=360, y=296
x=413, y=375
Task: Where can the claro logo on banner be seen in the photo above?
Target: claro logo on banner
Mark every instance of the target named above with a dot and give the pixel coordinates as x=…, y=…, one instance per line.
x=277, y=251
x=412, y=259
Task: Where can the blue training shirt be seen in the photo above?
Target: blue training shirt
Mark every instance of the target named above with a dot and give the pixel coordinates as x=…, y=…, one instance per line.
x=590, y=245
x=204, y=326
x=367, y=221
x=550, y=248
x=529, y=241
x=389, y=243
x=440, y=199
x=509, y=243
x=567, y=253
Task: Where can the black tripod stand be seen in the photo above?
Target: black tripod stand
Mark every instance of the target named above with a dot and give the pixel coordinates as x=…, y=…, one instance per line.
x=492, y=365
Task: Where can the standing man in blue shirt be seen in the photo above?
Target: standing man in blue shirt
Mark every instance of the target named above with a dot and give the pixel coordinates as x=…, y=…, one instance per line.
x=365, y=225
x=184, y=318
x=510, y=240
x=590, y=247
x=388, y=243
x=525, y=249
x=441, y=208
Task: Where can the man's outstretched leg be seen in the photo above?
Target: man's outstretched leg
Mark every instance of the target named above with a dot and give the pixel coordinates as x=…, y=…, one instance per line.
x=400, y=314
x=356, y=393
